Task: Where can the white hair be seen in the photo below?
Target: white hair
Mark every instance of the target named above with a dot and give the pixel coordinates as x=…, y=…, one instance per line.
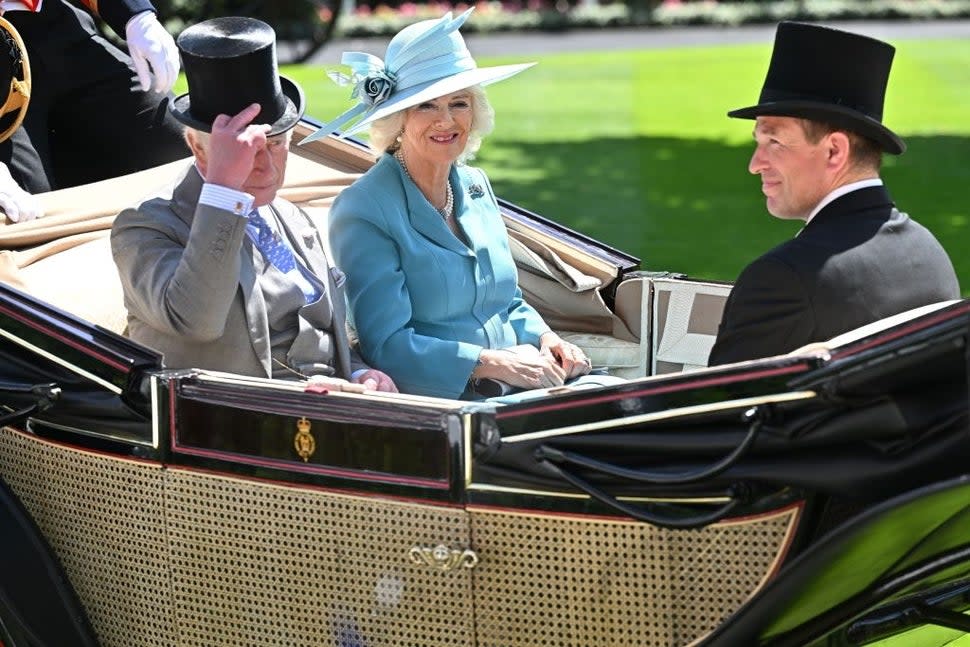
x=384, y=132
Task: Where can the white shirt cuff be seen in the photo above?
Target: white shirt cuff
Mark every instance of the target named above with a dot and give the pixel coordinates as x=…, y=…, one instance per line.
x=220, y=197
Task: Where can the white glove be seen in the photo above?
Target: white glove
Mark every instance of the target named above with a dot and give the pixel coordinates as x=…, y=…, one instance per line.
x=19, y=205
x=150, y=44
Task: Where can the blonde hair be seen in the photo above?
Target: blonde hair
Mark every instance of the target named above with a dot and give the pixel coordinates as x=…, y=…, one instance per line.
x=384, y=131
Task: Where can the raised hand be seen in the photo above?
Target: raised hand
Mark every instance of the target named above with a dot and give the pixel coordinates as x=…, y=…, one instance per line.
x=233, y=145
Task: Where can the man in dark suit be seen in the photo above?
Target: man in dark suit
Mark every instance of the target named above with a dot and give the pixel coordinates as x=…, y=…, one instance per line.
x=95, y=111
x=220, y=273
x=819, y=144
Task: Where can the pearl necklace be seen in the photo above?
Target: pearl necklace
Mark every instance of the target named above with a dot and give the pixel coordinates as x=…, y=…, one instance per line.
x=447, y=211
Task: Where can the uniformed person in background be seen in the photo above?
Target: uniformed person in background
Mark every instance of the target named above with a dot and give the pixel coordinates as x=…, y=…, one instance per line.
x=95, y=111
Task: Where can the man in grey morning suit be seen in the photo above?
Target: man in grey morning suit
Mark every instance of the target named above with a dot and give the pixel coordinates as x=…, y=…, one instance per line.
x=819, y=144
x=221, y=274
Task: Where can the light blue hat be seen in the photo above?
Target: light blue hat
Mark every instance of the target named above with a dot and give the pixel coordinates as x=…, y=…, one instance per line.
x=424, y=61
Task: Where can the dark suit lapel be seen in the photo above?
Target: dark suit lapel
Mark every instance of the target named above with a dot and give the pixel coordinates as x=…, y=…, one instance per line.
x=873, y=197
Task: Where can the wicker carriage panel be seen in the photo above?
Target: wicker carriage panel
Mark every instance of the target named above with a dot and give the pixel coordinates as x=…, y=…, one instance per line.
x=547, y=581
x=715, y=570
x=104, y=519
x=259, y=564
x=170, y=557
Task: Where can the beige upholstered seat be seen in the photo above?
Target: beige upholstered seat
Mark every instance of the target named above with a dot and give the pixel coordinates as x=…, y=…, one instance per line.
x=620, y=357
x=673, y=322
x=65, y=257
x=82, y=280
x=686, y=315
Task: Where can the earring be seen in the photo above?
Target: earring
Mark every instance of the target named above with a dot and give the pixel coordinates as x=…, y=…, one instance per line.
x=399, y=136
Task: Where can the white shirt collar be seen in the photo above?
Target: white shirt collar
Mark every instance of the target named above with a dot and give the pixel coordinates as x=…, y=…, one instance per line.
x=841, y=191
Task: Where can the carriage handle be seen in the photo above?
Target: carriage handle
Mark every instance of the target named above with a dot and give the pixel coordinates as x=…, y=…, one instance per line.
x=754, y=415
x=643, y=513
x=45, y=394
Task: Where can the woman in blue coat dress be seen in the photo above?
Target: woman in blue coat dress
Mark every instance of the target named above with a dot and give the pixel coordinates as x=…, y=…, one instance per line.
x=431, y=283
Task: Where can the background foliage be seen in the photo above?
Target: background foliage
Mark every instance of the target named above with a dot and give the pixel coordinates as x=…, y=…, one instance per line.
x=303, y=18
x=635, y=149
x=496, y=15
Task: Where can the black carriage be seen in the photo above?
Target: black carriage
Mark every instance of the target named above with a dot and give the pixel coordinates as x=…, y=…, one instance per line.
x=812, y=498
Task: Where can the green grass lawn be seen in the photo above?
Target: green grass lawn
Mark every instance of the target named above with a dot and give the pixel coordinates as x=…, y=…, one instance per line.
x=634, y=148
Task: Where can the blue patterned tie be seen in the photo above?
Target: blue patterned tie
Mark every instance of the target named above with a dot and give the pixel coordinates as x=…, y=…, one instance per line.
x=269, y=244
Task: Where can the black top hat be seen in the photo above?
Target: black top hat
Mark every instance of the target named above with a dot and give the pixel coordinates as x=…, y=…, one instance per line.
x=828, y=75
x=230, y=63
x=14, y=80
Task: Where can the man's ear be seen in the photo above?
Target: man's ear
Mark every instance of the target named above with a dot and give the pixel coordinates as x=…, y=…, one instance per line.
x=198, y=150
x=838, y=149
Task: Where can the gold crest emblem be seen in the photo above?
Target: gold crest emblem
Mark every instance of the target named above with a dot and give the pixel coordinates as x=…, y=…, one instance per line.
x=303, y=442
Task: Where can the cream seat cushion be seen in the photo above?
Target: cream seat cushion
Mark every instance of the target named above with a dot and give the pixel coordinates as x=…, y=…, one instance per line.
x=620, y=357
x=93, y=294
x=65, y=257
x=686, y=315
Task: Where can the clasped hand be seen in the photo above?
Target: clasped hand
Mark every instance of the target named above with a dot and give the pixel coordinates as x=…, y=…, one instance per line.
x=525, y=370
x=528, y=368
x=569, y=356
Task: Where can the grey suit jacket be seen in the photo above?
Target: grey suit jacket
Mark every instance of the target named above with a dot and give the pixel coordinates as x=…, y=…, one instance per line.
x=193, y=293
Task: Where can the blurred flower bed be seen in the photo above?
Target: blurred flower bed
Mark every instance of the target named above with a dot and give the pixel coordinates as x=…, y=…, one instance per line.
x=384, y=20
x=489, y=16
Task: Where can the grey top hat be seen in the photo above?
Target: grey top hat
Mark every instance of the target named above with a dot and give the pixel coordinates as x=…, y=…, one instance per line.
x=229, y=64
x=830, y=75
